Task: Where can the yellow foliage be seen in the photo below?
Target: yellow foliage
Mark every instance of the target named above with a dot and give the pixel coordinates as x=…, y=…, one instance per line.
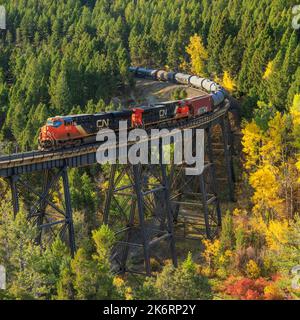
x=298, y=167
x=258, y=224
x=183, y=66
x=273, y=143
x=118, y=282
x=217, y=262
x=264, y=153
x=198, y=54
x=56, y=198
x=206, y=271
x=105, y=185
x=224, y=257
x=128, y=294
x=252, y=269
x=217, y=79
x=228, y=83
x=212, y=250
x=228, y=253
x=269, y=70
x=266, y=147
x=251, y=141
x=238, y=212
x=277, y=234
x=266, y=195
x=295, y=110
x=273, y=292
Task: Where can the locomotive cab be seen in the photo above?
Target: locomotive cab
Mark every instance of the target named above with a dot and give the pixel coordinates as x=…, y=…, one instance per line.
x=55, y=131
x=47, y=133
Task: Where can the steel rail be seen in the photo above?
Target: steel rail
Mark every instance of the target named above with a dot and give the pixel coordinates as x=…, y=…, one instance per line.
x=33, y=157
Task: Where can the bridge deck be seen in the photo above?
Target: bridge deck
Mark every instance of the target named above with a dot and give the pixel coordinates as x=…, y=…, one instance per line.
x=28, y=162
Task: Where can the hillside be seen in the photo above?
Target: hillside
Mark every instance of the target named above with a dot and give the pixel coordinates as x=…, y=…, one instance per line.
x=72, y=57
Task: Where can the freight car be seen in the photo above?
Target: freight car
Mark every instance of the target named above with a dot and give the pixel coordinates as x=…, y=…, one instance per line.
x=76, y=130
x=217, y=92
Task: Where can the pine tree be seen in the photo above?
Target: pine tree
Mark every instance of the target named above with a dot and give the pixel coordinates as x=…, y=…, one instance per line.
x=60, y=94
x=182, y=283
x=91, y=268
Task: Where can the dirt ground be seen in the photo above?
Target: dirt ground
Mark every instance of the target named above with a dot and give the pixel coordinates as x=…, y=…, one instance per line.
x=150, y=92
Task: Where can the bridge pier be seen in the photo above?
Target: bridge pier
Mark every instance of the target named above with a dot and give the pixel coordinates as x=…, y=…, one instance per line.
x=213, y=174
x=46, y=221
x=227, y=141
x=147, y=199
x=41, y=217
x=14, y=193
x=197, y=192
x=68, y=209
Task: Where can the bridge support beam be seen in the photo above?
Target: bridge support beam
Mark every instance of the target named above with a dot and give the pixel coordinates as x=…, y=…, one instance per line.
x=69, y=213
x=144, y=205
x=140, y=204
x=46, y=221
x=43, y=206
x=14, y=193
x=213, y=174
x=226, y=132
x=197, y=192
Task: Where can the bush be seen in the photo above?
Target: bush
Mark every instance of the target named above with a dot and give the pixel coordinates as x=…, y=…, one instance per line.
x=183, y=283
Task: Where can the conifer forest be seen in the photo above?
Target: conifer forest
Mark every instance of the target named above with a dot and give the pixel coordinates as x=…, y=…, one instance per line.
x=73, y=57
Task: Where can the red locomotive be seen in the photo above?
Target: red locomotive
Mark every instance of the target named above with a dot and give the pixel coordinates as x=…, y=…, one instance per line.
x=76, y=130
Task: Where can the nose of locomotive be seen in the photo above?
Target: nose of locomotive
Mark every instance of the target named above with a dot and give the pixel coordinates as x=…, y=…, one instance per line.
x=45, y=138
x=46, y=133
x=43, y=132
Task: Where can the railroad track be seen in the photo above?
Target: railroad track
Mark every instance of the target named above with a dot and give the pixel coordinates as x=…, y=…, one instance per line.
x=37, y=157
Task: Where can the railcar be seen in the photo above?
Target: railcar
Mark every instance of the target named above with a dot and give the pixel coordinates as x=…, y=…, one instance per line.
x=76, y=130
x=162, y=75
x=168, y=111
x=200, y=105
x=165, y=76
x=146, y=73
x=182, y=78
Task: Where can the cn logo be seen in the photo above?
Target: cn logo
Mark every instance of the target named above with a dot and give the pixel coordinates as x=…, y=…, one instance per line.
x=2, y=17
x=163, y=113
x=296, y=19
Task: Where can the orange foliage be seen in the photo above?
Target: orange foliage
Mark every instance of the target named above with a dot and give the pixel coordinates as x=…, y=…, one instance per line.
x=246, y=289
x=253, y=289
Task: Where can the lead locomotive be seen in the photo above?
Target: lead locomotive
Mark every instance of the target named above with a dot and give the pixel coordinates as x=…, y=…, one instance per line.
x=77, y=130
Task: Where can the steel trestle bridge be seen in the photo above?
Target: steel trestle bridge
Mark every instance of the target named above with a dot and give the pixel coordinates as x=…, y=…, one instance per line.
x=142, y=212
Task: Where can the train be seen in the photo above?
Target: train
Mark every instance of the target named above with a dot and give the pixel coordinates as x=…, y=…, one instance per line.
x=77, y=130
x=218, y=93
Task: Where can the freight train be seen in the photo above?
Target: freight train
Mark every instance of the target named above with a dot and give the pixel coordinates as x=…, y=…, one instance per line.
x=76, y=130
